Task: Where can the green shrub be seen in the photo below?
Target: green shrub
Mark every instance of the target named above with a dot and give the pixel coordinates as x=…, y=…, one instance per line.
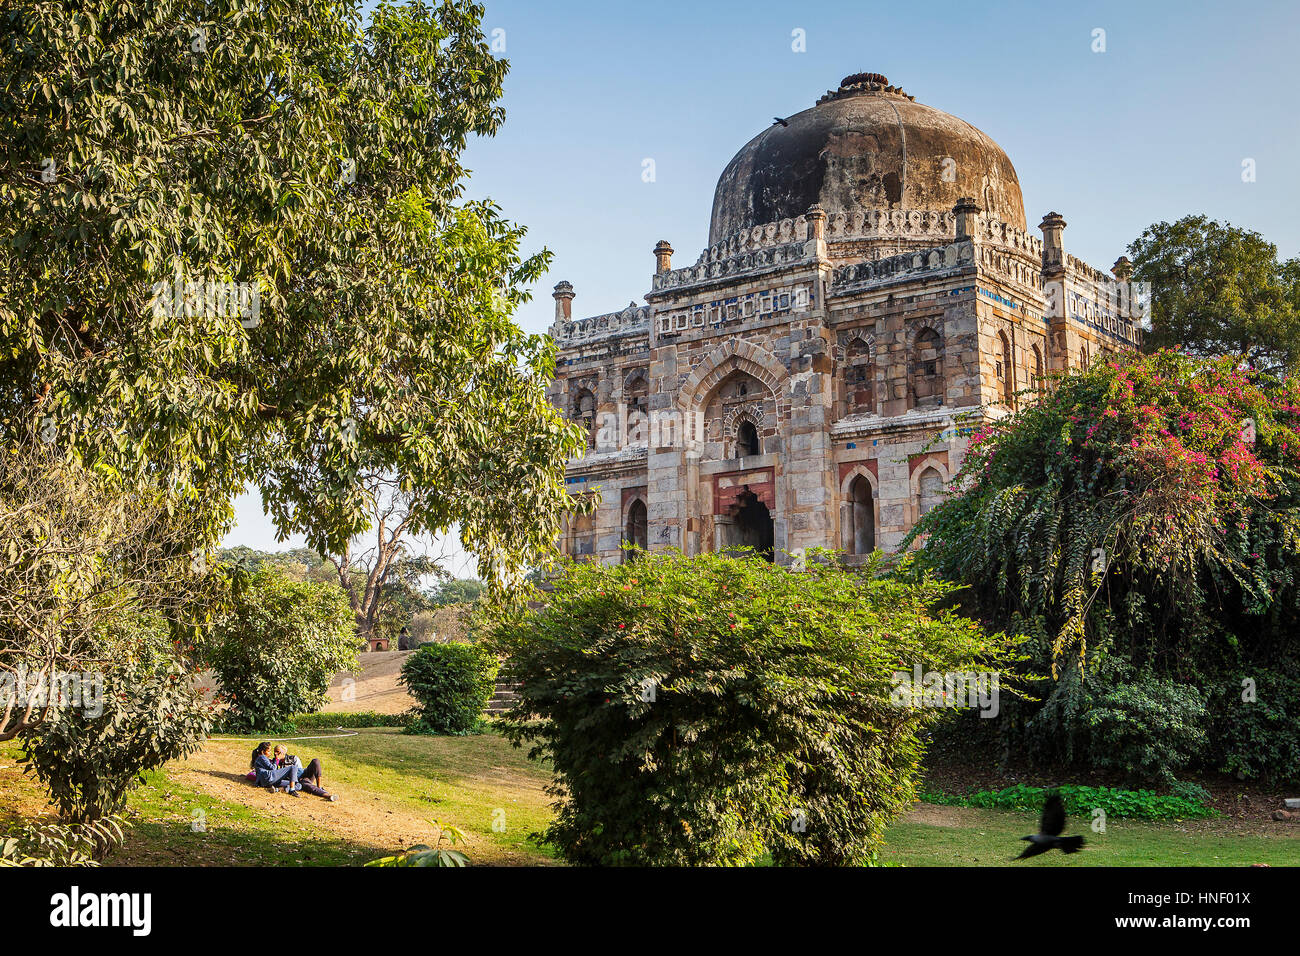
x=707, y=710
x=1191, y=792
x=89, y=760
x=1082, y=801
x=1260, y=738
x=332, y=721
x=452, y=684
x=1149, y=729
x=277, y=651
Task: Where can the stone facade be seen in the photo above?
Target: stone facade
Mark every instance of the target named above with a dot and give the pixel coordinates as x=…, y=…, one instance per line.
x=812, y=381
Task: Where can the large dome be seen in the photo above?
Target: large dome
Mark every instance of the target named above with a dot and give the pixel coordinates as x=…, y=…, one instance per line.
x=865, y=146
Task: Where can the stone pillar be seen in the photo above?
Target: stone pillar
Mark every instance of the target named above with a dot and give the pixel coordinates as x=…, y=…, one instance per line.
x=816, y=244
x=966, y=211
x=667, y=481
x=1059, y=342
x=808, y=492
x=563, y=296
x=1053, y=248
x=663, y=257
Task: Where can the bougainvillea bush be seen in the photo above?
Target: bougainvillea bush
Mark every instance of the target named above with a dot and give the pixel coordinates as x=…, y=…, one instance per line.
x=1140, y=524
x=712, y=709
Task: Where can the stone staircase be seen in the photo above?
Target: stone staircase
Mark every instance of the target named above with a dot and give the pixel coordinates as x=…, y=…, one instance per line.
x=503, y=697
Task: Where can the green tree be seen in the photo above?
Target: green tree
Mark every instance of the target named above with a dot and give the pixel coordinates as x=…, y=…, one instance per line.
x=382, y=580
x=147, y=712
x=233, y=250
x=301, y=564
x=276, y=652
x=83, y=553
x=1219, y=290
x=456, y=591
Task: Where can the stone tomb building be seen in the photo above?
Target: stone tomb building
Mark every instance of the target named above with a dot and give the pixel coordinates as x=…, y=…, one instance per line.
x=870, y=294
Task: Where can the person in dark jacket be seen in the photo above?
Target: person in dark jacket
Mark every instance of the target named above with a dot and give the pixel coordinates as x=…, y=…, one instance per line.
x=309, y=778
x=269, y=775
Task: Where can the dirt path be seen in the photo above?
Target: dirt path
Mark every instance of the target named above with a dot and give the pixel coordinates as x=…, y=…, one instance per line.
x=373, y=686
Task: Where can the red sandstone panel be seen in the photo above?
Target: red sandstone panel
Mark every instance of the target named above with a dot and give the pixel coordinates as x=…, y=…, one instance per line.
x=914, y=460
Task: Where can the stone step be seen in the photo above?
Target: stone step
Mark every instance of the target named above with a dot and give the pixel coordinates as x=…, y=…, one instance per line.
x=504, y=696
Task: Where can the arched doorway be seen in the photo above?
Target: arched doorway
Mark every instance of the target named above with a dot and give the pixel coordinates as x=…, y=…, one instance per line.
x=1006, y=371
x=751, y=525
x=862, y=514
x=930, y=490
x=634, y=531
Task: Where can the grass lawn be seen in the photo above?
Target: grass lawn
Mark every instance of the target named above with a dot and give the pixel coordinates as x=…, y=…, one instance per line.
x=200, y=812
x=962, y=836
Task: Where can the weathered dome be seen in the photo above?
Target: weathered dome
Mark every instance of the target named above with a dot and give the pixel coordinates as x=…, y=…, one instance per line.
x=865, y=146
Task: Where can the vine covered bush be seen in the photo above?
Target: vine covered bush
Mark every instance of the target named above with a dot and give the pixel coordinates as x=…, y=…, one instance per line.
x=711, y=709
x=1138, y=525
x=452, y=684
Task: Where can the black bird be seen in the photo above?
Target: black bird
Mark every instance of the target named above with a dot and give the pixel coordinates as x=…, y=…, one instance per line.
x=778, y=119
x=1050, y=826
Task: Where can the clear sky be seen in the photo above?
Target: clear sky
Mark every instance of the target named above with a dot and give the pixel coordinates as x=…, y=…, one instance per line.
x=1154, y=128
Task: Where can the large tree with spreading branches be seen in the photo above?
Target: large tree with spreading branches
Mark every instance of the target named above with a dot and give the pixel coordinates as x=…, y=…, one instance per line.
x=235, y=251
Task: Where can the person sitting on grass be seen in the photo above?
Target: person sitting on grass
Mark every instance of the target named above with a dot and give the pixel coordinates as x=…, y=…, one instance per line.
x=310, y=779
x=267, y=774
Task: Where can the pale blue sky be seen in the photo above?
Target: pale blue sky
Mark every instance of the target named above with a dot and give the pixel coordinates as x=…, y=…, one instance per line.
x=1154, y=128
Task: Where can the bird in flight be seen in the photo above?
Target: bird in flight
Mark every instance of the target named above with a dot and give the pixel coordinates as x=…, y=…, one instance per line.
x=1050, y=826
x=777, y=119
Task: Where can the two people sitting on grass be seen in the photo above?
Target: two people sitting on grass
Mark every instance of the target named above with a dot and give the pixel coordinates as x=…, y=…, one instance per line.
x=281, y=770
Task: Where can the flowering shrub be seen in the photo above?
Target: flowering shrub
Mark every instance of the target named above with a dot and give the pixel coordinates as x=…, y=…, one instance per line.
x=705, y=710
x=1145, y=510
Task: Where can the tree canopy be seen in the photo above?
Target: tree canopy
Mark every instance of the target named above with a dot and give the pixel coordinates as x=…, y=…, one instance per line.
x=1220, y=290
x=235, y=250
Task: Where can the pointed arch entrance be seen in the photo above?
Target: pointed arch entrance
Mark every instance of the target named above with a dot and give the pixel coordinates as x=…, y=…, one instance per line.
x=635, y=528
x=749, y=524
